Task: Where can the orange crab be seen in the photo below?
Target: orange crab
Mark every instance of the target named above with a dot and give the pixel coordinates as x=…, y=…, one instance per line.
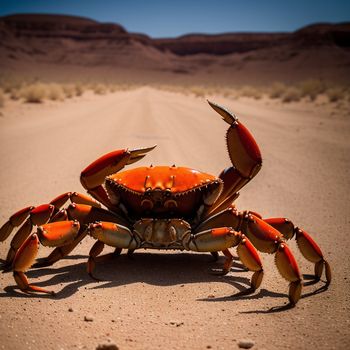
x=163, y=207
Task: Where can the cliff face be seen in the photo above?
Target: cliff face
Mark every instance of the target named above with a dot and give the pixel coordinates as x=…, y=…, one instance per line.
x=316, y=35
x=67, y=40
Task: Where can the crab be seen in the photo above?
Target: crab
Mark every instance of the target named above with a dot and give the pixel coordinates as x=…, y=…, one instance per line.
x=162, y=207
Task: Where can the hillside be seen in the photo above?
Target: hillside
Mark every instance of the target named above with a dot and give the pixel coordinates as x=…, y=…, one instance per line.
x=57, y=47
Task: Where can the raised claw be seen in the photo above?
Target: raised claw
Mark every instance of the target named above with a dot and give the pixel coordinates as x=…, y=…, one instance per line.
x=242, y=147
x=137, y=154
x=227, y=116
x=94, y=174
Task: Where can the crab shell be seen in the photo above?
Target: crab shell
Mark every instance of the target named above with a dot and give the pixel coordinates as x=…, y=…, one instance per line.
x=160, y=191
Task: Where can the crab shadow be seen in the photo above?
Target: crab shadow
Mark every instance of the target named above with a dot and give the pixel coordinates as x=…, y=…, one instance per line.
x=154, y=269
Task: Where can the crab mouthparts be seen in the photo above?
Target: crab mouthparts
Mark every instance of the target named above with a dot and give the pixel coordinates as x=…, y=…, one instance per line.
x=157, y=199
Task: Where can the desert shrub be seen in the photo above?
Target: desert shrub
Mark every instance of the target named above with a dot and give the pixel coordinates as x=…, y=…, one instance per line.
x=112, y=87
x=198, y=91
x=335, y=94
x=226, y=92
x=16, y=94
x=99, y=89
x=311, y=88
x=79, y=89
x=55, y=92
x=277, y=90
x=251, y=92
x=2, y=98
x=10, y=85
x=69, y=90
x=291, y=94
x=34, y=93
x=119, y=87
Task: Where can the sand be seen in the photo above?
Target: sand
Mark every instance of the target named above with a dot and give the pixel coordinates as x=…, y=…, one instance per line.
x=170, y=300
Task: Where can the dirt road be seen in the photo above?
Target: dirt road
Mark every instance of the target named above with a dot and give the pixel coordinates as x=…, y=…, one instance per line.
x=158, y=300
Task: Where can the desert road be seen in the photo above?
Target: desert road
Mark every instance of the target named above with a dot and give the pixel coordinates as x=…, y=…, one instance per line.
x=158, y=300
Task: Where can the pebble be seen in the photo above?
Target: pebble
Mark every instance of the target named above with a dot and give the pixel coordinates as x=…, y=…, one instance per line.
x=70, y=309
x=88, y=318
x=107, y=346
x=176, y=323
x=246, y=343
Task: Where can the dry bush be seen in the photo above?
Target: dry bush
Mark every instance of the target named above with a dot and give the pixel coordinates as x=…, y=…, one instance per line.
x=34, y=93
x=55, y=92
x=2, y=98
x=291, y=94
x=250, y=91
x=171, y=88
x=198, y=91
x=9, y=85
x=335, y=94
x=226, y=92
x=79, y=89
x=112, y=87
x=99, y=89
x=16, y=94
x=277, y=90
x=118, y=87
x=311, y=88
x=13, y=87
x=69, y=90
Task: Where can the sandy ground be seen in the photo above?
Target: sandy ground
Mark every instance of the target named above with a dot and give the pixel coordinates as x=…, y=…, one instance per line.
x=170, y=300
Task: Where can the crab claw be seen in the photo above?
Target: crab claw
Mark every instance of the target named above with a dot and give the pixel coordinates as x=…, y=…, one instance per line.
x=94, y=174
x=137, y=154
x=242, y=148
x=227, y=116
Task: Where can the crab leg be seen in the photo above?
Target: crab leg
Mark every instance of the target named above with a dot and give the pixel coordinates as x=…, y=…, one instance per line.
x=223, y=238
x=269, y=240
x=244, y=154
x=51, y=235
x=40, y=214
x=308, y=247
x=112, y=234
x=266, y=239
x=96, y=250
x=93, y=176
x=37, y=216
x=84, y=214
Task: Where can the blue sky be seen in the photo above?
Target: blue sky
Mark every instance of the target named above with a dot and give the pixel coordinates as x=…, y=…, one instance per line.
x=173, y=18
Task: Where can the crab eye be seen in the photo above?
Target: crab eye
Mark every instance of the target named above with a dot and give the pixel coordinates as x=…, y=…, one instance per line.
x=147, y=204
x=148, y=191
x=170, y=204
